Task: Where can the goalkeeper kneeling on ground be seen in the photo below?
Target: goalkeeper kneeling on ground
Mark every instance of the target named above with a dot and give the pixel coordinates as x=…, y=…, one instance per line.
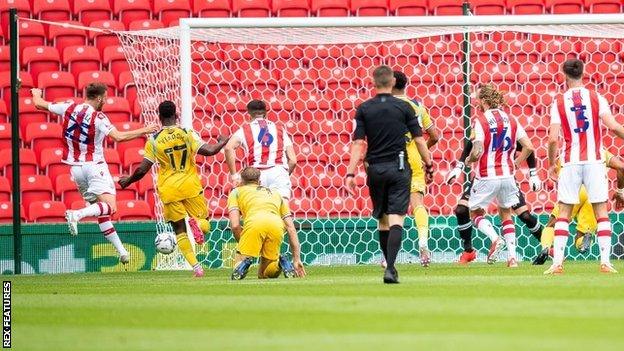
x=265, y=216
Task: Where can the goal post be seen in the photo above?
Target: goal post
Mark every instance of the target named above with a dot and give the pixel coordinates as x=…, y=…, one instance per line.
x=313, y=72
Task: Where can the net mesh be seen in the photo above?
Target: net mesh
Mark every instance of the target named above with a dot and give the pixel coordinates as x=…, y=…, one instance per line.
x=314, y=78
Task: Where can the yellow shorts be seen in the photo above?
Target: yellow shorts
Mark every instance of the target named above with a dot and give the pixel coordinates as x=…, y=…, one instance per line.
x=194, y=207
x=418, y=178
x=262, y=236
x=583, y=213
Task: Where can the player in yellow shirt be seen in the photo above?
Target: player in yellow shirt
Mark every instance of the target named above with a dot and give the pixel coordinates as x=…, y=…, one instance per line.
x=266, y=215
x=586, y=223
x=178, y=184
x=419, y=186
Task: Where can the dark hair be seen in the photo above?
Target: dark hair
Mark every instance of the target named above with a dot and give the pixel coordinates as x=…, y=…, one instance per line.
x=573, y=68
x=250, y=175
x=95, y=90
x=382, y=76
x=401, y=80
x=256, y=105
x=166, y=109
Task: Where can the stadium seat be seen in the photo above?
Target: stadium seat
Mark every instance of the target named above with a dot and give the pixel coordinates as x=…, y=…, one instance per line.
x=488, y=7
x=38, y=59
x=5, y=58
x=339, y=207
x=52, y=10
x=133, y=210
x=565, y=6
x=46, y=211
x=404, y=53
x=81, y=58
x=212, y=8
x=446, y=7
x=168, y=11
x=23, y=10
x=369, y=7
x=57, y=85
x=298, y=79
x=145, y=186
x=28, y=163
x=5, y=189
x=35, y=188
x=132, y=158
x=139, y=142
x=65, y=35
x=80, y=204
x=66, y=190
x=518, y=52
x=604, y=6
x=408, y=7
x=117, y=109
x=559, y=50
x=442, y=52
x=4, y=114
x=251, y=8
x=304, y=207
x=26, y=83
x=112, y=160
x=326, y=185
x=218, y=82
x=145, y=25
x=291, y=8
x=87, y=77
x=310, y=154
x=330, y=8
x=258, y=80
x=50, y=161
x=132, y=10
x=102, y=40
x=600, y=51
x=30, y=114
x=87, y=11
x=126, y=85
x=5, y=136
x=31, y=34
x=6, y=212
x=526, y=7
x=44, y=135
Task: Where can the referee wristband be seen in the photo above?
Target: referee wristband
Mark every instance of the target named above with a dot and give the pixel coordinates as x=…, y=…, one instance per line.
x=350, y=175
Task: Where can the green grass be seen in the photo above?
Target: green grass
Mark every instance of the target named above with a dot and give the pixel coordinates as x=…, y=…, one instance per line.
x=445, y=307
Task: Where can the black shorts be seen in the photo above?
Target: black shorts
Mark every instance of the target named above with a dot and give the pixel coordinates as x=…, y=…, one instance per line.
x=522, y=202
x=389, y=188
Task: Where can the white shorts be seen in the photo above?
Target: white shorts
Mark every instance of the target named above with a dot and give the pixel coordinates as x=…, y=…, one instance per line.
x=93, y=179
x=504, y=190
x=592, y=175
x=276, y=178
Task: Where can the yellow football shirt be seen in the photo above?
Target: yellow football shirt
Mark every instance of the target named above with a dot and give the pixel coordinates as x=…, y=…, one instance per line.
x=254, y=200
x=425, y=123
x=174, y=149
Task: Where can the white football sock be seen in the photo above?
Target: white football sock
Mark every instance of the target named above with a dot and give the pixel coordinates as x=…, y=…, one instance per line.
x=562, y=231
x=604, y=239
x=509, y=233
x=94, y=210
x=485, y=226
x=107, y=228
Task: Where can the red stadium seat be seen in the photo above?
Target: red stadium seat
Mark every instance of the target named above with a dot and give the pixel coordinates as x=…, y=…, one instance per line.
x=117, y=109
x=339, y=207
x=6, y=212
x=446, y=7
x=24, y=91
x=44, y=135
x=81, y=58
x=66, y=189
x=4, y=114
x=5, y=136
x=5, y=58
x=132, y=158
x=30, y=114
x=326, y=185
x=80, y=204
x=65, y=35
x=113, y=160
x=168, y=11
x=50, y=161
x=127, y=86
x=31, y=34
x=526, y=7
x=310, y=154
x=369, y=7
x=57, y=85
x=85, y=78
x=212, y=8
x=35, y=188
x=291, y=8
x=408, y=7
x=488, y=7
x=52, y=10
x=5, y=189
x=330, y=8
x=132, y=10
x=139, y=142
x=28, y=163
x=304, y=207
x=103, y=40
x=46, y=211
x=259, y=79
x=145, y=25
x=146, y=185
x=87, y=11
x=251, y=8
x=565, y=6
x=23, y=10
x=38, y=59
x=559, y=50
x=218, y=82
x=604, y=6
x=133, y=210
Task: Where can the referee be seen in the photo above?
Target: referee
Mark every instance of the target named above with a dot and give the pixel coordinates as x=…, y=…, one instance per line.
x=385, y=121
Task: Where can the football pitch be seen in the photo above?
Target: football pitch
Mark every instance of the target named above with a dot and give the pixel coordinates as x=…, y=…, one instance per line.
x=444, y=307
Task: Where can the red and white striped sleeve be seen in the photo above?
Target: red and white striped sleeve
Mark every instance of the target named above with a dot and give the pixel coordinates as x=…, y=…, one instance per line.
x=479, y=134
x=554, y=113
x=603, y=106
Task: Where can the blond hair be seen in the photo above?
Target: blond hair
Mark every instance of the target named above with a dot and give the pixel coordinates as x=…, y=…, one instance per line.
x=250, y=175
x=493, y=97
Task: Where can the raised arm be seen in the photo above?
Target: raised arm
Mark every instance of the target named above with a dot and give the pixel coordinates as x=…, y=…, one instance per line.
x=292, y=158
x=138, y=174
x=119, y=136
x=213, y=149
x=38, y=100
x=230, y=157
x=295, y=247
x=612, y=124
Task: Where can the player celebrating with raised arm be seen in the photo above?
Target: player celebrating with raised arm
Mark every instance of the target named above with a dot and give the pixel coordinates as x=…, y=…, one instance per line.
x=266, y=215
x=84, y=129
x=179, y=187
x=578, y=115
x=268, y=148
x=418, y=186
x=496, y=134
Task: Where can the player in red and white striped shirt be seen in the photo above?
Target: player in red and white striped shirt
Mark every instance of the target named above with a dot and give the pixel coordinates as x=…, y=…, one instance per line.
x=267, y=148
x=578, y=116
x=494, y=146
x=84, y=129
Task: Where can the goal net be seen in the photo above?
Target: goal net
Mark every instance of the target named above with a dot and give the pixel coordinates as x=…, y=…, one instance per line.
x=314, y=72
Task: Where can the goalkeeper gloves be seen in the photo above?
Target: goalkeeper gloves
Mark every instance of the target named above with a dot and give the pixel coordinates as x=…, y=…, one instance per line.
x=534, y=180
x=454, y=173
